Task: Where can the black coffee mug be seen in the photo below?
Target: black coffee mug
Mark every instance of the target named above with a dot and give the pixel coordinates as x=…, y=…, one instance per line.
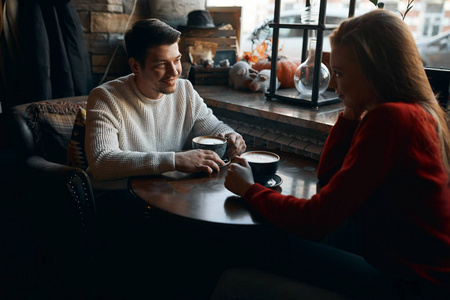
x=264, y=165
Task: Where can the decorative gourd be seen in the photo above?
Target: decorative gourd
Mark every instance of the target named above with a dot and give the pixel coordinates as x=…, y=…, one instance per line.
x=286, y=68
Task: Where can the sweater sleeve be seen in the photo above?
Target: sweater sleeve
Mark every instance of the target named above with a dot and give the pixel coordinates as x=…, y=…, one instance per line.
x=336, y=148
x=206, y=123
x=376, y=147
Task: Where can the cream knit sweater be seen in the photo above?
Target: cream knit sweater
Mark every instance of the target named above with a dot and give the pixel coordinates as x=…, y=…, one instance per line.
x=128, y=134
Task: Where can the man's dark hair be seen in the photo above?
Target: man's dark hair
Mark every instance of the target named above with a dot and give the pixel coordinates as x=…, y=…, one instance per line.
x=148, y=33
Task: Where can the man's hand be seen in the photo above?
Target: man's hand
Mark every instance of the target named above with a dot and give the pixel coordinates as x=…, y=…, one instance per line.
x=236, y=144
x=198, y=160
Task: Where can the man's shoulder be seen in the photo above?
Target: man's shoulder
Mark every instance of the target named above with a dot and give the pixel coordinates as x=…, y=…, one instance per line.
x=113, y=88
x=116, y=83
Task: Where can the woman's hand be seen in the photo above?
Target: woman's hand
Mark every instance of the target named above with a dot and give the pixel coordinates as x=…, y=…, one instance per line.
x=354, y=113
x=236, y=144
x=239, y=177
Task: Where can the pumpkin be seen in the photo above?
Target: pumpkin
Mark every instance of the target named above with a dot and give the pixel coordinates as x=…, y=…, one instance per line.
x=286, y=68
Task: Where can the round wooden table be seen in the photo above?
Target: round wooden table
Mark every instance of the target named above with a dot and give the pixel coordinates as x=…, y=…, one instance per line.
x=204, y=198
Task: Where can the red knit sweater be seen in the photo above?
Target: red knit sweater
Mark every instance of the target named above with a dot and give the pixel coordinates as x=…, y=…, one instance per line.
x=386, y=172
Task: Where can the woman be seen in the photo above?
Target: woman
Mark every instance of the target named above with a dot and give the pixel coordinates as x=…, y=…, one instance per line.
x=386, y=163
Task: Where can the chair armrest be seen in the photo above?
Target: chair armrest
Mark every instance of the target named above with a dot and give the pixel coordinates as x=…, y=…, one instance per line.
x=67, y=195
x=73, y=181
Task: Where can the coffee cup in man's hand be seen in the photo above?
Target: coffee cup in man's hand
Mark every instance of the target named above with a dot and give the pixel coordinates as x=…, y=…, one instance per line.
x=208, y=142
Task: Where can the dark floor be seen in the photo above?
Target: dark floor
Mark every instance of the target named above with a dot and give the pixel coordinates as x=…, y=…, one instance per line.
x=17, y=251
x=22, y=275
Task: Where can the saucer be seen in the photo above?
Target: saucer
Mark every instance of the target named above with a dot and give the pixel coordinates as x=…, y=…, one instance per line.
x=274, y=181
x=226, y=160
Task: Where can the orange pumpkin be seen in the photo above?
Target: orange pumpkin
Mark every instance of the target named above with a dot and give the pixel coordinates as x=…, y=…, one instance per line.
x=286, y=68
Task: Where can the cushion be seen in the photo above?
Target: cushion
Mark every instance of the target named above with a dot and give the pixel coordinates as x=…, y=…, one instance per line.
x=76, y=156
x=51, y=124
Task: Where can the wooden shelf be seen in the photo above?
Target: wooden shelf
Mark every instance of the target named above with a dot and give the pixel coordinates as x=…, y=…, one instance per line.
x=225, y=39
x=228, y=15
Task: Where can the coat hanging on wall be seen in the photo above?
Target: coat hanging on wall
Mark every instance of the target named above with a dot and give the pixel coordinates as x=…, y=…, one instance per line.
x=43, y=52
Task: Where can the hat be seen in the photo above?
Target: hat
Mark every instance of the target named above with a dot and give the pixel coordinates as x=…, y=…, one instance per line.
x=201, y=19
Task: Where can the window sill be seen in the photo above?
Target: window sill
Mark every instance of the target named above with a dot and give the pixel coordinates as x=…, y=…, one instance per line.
x=272, y=124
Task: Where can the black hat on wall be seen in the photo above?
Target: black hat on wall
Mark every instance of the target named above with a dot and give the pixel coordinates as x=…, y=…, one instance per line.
x=200, y=19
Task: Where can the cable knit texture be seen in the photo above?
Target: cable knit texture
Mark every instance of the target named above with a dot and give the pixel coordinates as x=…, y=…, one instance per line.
x=128, y=134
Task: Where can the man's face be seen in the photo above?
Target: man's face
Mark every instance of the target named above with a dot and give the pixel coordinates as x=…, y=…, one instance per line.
x=161, y=71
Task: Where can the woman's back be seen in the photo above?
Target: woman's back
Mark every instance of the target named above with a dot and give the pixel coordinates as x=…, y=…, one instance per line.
x=405, y=222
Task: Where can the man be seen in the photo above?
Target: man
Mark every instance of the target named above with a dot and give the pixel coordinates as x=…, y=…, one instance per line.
x=138, y=124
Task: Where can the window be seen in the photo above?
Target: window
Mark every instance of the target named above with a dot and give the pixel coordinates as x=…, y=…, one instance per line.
x=433, y=19
x=427, y=20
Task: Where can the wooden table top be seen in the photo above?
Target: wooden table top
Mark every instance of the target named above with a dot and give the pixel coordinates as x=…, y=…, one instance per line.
x=200, y=197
